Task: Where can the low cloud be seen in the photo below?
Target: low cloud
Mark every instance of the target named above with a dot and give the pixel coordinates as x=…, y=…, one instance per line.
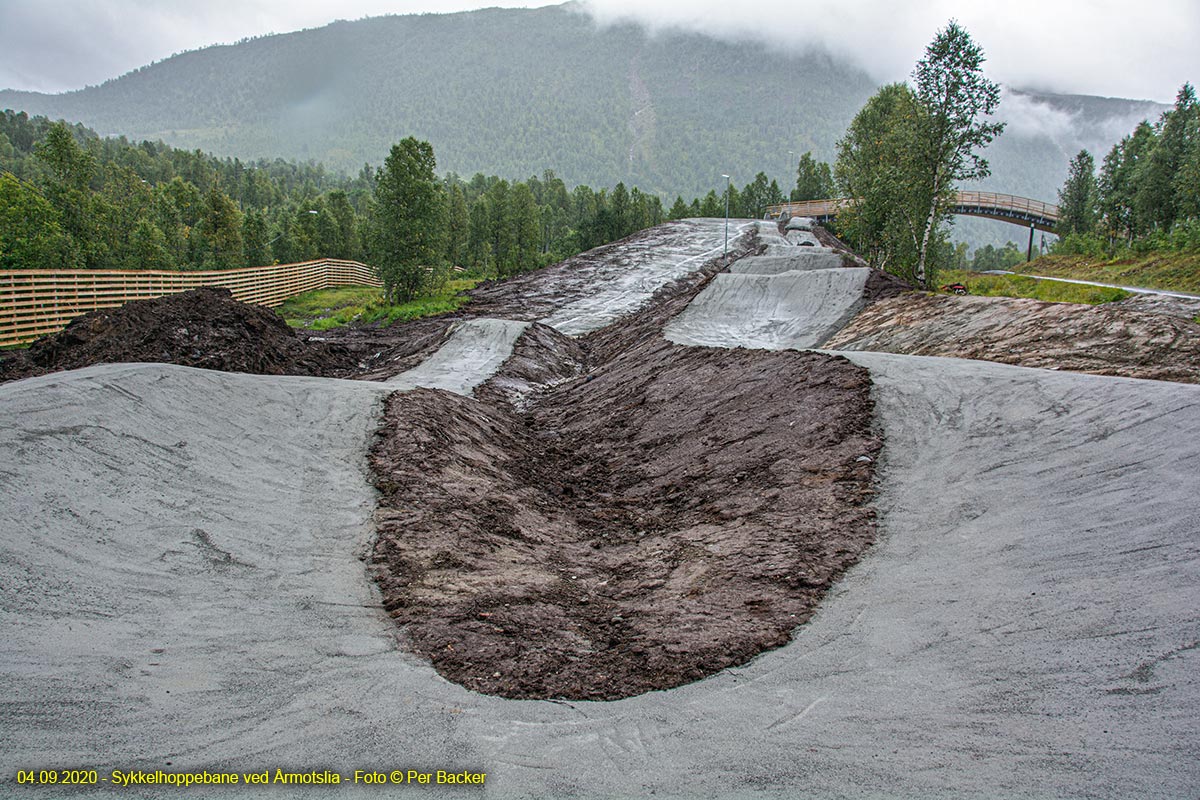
x=1027, y=117
x=1102, y=47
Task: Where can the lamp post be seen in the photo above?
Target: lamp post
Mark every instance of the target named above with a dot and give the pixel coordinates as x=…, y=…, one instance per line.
x=727, y=179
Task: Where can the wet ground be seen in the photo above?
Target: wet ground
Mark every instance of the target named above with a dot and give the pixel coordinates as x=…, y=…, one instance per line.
x=185, y=561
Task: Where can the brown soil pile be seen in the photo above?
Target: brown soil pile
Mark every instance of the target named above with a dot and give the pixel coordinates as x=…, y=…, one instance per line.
x=541, y=358
x=1105, y=340
x=200, y=328
x=677, y=511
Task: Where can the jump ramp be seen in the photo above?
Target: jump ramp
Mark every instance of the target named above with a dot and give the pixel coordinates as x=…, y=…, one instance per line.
x=475, y=350
x=791, y=259
x=773, y=312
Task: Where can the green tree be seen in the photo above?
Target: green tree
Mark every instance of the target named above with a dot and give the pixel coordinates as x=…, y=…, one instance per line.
x=526, y=231
x=221, y=230
x=458, y=223
x=344, y=237
x=1187, y=184
x=501, y=233
x=712, y=205
x=30, y=235
x=874, y=166
x=69, y=165
x=620, y=208
x=814, y=180
x=1155, y=202
x=1119, y=182
x=1077, y=197
x=756, y=196
x=407, y=215
x=479, y=250
x=950, y=86
x=149, y=248
x=254, y=239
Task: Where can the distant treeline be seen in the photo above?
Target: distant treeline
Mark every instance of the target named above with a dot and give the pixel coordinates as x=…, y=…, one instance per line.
x=1147, y=194
x=70, y=199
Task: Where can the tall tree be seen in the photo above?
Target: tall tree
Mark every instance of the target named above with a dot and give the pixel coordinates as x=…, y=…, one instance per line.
x=814, y=179
x=407, y=216
x=756, y=196
x=221, y=228
x=458, y=223
x=30, y=236
x=1120, y=180
x=949, y=84
x=1077, y=197
x=1156, y=204
x=501, y=233
x=619, y=205
x=344, y=239
x=1187, y=184
x=875, y=167
x=526, y=230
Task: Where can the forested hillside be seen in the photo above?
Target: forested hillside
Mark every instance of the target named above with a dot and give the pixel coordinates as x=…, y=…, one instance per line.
x=70, y=199
x=498, y=91
x=510, y=91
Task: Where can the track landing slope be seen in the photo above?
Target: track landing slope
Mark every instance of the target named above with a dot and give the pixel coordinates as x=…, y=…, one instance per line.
x=1029, y=624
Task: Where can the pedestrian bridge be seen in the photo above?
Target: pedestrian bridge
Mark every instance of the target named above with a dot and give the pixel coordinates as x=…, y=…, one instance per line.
x=1004, y=207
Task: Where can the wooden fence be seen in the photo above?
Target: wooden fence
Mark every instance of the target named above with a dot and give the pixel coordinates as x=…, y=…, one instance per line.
x=34, y=303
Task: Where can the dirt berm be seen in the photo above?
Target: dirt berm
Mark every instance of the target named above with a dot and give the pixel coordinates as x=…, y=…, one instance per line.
x=204, y=328
x=1114, y=339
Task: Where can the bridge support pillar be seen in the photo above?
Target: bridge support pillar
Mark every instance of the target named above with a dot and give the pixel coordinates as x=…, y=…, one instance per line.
x=1029, y=252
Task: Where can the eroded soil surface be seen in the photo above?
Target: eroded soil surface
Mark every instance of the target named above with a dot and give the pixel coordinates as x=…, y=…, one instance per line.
x=676, y=511
x=1144, y=339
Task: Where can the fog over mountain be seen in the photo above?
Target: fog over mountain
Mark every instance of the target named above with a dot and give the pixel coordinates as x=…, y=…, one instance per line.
x=1100, y=47
x=658, y=103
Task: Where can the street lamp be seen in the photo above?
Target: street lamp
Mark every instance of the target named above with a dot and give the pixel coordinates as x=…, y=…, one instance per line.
x=727, y=179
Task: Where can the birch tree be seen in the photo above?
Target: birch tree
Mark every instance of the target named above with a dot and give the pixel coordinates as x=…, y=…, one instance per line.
x=949, y=83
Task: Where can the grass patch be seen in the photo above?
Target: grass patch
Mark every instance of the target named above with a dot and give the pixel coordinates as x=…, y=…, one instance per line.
x=1031, y=288
x=1177, y=272
x=323, y=309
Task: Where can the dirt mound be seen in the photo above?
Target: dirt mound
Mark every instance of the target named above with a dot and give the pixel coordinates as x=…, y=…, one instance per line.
x=200, y=328
x=677, y=511
x=1104, y=340
x=541, y=358
x=881, y=286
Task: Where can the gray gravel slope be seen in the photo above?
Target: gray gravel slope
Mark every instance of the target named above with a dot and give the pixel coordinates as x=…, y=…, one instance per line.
x=1026, y=627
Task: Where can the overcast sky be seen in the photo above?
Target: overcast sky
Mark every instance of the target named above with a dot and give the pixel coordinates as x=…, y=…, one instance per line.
x=1143, y=49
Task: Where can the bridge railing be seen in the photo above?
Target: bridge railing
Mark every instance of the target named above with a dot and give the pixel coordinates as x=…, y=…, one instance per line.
x=1007, y=204
x=34, y=303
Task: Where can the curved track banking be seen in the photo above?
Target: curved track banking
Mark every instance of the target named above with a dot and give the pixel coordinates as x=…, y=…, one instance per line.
x=183, y=589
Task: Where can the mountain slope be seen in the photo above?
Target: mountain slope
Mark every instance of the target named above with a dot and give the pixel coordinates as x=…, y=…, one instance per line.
x=501, y=91
x=512, y=91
